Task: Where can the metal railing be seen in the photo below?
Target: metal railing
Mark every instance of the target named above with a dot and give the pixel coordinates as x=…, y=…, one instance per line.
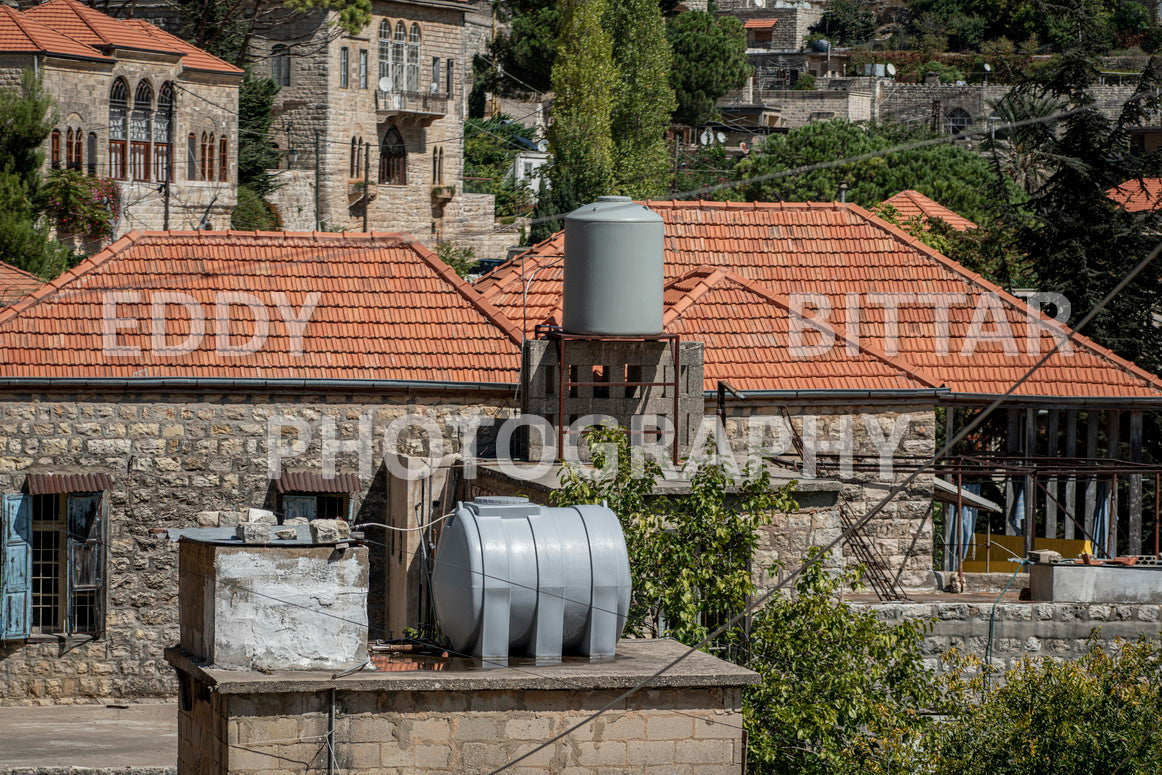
x=430, y=103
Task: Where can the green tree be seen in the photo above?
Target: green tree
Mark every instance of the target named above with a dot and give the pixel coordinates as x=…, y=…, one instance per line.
x=847, y=22
x=527, y=50
x=1096, y=714
x=256, y=153
x=579, y=130
x=253, y=213
x=842, y=691
x=643, y=99
x=709, y=61
x=26, y=119
x=958, y=178
x=490, y=147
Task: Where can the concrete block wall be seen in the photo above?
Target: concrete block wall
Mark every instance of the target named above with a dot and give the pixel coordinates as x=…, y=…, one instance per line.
x=172, y=456
x=1023, y=630
x=662, y=731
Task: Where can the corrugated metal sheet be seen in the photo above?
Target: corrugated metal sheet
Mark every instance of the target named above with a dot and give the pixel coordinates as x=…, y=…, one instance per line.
x=51, y=484
x=308, y=481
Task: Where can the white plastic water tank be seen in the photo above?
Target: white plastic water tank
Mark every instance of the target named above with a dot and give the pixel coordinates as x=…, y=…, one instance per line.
x=512, y=577
x=614, y=253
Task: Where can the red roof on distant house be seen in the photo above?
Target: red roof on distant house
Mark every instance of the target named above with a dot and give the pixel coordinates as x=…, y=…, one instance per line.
x=20, y=33
x=760, y=24
x=368, y=306
x=912, y=204
x=91, y=27
x=1138, y=196
x=16, y=283
x=952, y=324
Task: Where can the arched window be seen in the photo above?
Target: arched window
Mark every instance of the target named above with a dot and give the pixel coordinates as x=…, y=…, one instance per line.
x=210, y=157
x=55, y=149
x=280, y=64
x=141, y=131
x=192, y=157
x=223, y=166
x=393, y=159
x=203, y=157
x=385, y=52
x=163, y=133
x=118, y=128
x=353, y=162
x=414, y=59
x=449, y=73
x=438, y=165
x=74, y=149
x=91, y=154
x=957, y=121
x=435, y=87
x=398, y=55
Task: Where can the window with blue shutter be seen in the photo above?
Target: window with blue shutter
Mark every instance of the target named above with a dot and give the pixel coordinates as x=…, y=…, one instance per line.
x=16, y=570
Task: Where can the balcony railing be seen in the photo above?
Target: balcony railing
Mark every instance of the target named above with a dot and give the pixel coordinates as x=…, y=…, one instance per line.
x=420, y=104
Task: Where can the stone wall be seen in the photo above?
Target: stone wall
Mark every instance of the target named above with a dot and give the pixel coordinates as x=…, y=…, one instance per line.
x=295, y=199
x=171, y=457
x=1022, y=630
x=203, y=102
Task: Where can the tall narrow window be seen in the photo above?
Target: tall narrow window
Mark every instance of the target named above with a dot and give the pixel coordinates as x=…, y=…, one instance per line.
x=91, y=153
x=398, y=56
x=362, y=68
x=223, y=166
x=163, y=133
x=55, y=149
x=385, y=53
x=449, y=72
x=280, y=64
x=67, y=563
x=435, y=87
x=75, y=150
x=203, y=157
x=192, y=157
x=393, y=159
x=344, y=67
x=414, y=59
x=118, y=128
x=353, y=162
x=210, y=157
x=141, y=131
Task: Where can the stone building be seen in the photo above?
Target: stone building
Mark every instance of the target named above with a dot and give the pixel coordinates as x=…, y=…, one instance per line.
x=134, y=105
x=384, y=110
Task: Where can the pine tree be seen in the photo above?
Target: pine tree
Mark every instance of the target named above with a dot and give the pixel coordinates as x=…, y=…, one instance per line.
x=26, y=119
x=579, y=132
x=643, y=99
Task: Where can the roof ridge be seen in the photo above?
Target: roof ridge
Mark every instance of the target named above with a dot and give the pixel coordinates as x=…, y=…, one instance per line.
x=503, y=275
x=910, y=370
x=711, y=276
x=1071, y=335
x=470, y=294
x=9, y=267
x=51, y=287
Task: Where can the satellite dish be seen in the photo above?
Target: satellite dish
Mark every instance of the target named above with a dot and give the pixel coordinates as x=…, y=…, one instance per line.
x=435, y=88
x=720, y=137
x=706, y=137
x=744, y=148
x=385, y=84
x=543, y=146
x=760, y=3
x=987, y=67
x=890, y=69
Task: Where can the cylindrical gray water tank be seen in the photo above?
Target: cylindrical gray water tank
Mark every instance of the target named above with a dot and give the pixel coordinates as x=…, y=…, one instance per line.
x=614, y=251
x=512, y=577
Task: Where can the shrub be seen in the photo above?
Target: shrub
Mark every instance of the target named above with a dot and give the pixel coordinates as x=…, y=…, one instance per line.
x=253, y=213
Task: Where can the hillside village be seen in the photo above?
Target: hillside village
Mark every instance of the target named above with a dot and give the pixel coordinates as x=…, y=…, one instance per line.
x=579, y=386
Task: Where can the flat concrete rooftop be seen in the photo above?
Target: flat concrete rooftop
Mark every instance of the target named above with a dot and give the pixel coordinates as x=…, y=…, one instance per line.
x=141, y=736
x=636, y=660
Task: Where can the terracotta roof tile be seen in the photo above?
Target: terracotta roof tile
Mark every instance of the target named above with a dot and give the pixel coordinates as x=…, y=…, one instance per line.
x=20, y=33
x=913, y=204
x=195, y=58
x=1138, y=195
x=16, y=283
x=842, y=253
x=384, y=308
x=760, y=24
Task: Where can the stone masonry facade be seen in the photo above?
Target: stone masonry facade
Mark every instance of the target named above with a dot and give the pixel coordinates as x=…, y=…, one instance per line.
x=396, y=153
x=173, y=457
x=204, y=103
x=658, y=731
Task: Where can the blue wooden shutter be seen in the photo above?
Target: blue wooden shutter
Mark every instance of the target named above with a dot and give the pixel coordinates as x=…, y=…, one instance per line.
x=16, y=571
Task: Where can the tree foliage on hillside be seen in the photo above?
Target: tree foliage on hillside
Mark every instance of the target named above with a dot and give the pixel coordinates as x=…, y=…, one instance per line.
x=958, y=178
x=642, y=99
x=709, y=61
x=26, y=119
x=847, y=22
x=526, y=51
x=579, y=134
x=490, y=147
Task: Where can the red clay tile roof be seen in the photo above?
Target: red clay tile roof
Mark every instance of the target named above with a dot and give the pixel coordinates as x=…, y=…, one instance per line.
x=833, y=250
x=747, y=333
x=1138, y=195
x=913, y=204
x=93, y=28
x=16, y=283
x=760, y=24
x=385, y=309
x=20, y=33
